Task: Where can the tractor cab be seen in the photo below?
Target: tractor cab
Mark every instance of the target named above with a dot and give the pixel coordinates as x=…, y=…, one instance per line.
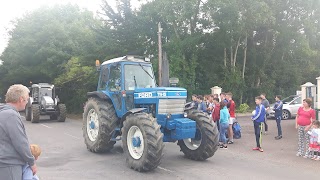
x=121, y=77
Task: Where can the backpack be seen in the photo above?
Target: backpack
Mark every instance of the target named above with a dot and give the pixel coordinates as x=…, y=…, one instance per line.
x=236, y=130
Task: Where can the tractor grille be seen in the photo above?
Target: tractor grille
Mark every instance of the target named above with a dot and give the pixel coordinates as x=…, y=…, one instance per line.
x=172, y=106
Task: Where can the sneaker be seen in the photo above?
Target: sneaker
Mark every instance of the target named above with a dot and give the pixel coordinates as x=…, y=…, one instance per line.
x=223, y=147
x=260, y=149
x=230, y=142
x=256, y=148
x=307, y=156
x=317, y=159
x=314, y=157
x=278, y=137
x=298, y=154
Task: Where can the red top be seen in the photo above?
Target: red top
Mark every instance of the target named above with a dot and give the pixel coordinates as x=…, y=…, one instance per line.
x=216, y=113
x=304, y=118
x=232, y=109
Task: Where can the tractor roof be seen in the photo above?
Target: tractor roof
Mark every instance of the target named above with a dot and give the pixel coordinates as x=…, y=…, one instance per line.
x=43, y=85
x=129, y=58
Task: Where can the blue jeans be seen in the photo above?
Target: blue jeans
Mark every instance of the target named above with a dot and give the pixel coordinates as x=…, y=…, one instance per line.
x=223, y=130
x=278, y=119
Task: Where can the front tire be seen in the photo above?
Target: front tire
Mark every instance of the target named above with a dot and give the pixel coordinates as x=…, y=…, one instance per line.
x=99, y=123
x=35, y=116
x=206, y=140
x=62, y=113
x=142, y=142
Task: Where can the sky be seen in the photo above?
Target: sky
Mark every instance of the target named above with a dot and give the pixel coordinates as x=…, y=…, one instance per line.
x=12, y=9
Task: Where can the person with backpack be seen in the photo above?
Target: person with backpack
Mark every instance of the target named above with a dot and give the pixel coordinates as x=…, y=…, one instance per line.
x=278, y=115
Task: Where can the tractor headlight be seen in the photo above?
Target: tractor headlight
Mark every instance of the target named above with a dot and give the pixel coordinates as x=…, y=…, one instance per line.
x=168, y=116
x=185, y=114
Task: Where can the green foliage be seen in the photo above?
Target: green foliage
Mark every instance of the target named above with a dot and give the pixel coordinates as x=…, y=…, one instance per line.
x=243, y=108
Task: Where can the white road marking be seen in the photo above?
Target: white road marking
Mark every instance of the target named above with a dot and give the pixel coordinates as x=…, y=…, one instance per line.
x=45, y=126
x=71, y=136
x=165, y=169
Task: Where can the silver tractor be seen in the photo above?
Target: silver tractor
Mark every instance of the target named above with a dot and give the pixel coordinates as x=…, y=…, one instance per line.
x=43, y=101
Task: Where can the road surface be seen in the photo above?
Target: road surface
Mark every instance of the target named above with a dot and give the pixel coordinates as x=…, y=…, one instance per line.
x=65, y=157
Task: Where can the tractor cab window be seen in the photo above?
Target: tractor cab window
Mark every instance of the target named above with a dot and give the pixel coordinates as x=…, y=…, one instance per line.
x=138, y=76
x=104, y=77
x=114, y=83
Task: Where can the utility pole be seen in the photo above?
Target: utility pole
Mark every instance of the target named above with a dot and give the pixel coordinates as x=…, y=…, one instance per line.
x=160, y=53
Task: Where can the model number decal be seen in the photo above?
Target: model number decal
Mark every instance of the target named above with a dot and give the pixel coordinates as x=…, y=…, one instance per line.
x=162, y=94
x=145, y=95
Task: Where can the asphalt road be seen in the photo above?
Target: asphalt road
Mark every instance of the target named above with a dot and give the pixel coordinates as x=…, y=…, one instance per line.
x=65, y=157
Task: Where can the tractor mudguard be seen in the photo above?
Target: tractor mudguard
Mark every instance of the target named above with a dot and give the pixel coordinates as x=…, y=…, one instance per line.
x=131, y=111
x=98, y=94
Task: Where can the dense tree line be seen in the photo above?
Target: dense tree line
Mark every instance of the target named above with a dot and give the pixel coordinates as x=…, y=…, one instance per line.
x=244, y=46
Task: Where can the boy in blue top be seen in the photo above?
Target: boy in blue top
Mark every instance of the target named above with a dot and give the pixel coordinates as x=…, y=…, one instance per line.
x=278, y=115
x=224, y=124
x=201, y=104
x=258, y=120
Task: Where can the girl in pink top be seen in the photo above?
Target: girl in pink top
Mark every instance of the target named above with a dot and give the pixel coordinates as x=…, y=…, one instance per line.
x=305, y=117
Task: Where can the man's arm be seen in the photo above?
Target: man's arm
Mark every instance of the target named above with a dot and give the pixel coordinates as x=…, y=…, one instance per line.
x=258, y=112
x=16, y=133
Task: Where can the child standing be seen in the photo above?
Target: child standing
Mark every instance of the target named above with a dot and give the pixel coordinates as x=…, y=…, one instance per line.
x=224, y=124
x=258, y=120
x=27, y=172
x=314, y=140
x=278, y=114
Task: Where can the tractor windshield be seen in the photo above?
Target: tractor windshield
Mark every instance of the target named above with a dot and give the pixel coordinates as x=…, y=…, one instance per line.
x=45, y=91
x=138, y=76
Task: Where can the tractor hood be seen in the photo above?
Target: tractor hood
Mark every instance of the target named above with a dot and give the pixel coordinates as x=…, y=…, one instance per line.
x=161, y=93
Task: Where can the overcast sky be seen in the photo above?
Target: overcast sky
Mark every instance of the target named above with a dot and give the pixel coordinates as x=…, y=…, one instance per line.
x=12, y=9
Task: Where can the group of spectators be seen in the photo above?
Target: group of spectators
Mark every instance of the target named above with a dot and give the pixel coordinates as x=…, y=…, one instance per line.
x=221, y=110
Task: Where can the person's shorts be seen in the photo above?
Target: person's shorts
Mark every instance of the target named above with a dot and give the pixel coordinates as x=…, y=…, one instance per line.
x=232, y=120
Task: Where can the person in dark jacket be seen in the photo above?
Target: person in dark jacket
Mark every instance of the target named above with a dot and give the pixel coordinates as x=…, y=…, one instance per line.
x=258, y=120
x=201, y=104
x=278, y=115
x=266, y=105
x=14, y=151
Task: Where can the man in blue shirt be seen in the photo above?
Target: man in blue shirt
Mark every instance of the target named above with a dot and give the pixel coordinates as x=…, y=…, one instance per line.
x=258, y=120
x=278, y=115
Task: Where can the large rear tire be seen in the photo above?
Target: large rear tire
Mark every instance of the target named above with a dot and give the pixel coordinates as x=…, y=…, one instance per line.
x=205, y=143
x=142, y=142
x=28, y=113
x=62, y=113
x=35, y=116
x=99, y=123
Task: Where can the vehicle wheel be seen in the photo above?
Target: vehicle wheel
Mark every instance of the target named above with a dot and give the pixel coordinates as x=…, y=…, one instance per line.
x=206, y=140
x=53, y=117
x=142, y=142
x=99, y=123
x=28, y=113
x=35, y=115
x=62, y=113
x=285, y=114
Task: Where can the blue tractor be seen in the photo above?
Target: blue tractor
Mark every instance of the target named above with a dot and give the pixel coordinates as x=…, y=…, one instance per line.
x=128, y=106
